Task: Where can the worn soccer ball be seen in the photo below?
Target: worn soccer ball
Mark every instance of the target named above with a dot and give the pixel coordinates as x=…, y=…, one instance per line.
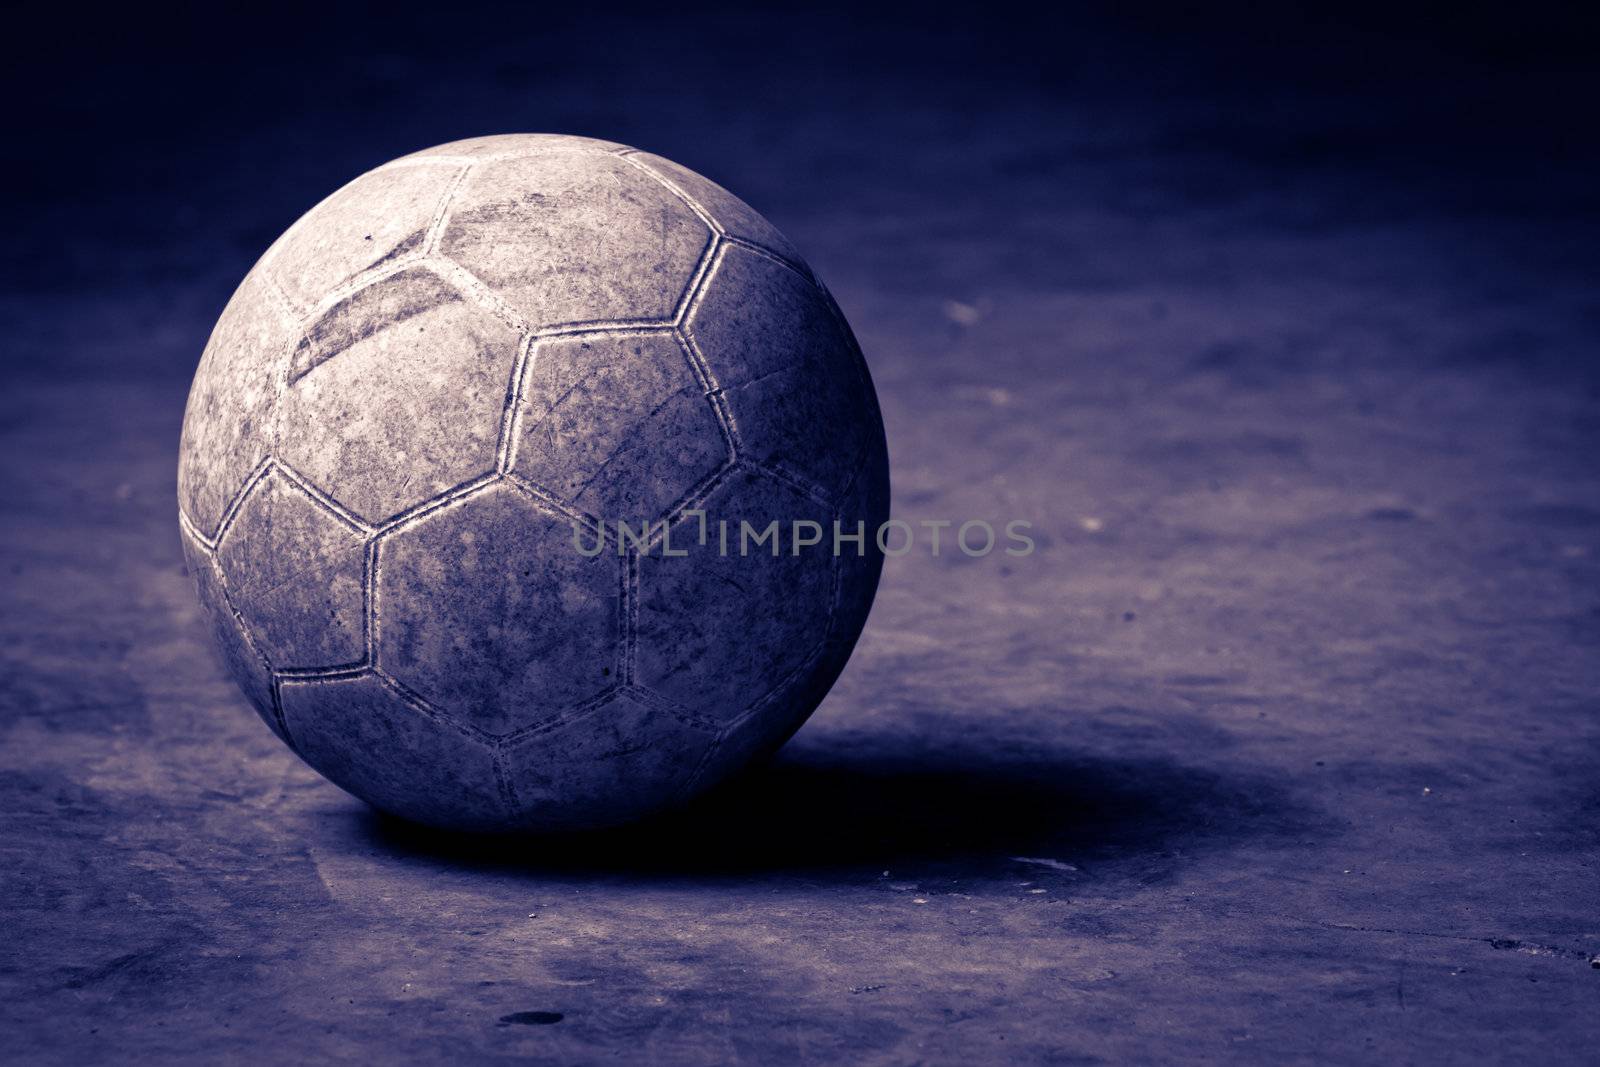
x=413, y=433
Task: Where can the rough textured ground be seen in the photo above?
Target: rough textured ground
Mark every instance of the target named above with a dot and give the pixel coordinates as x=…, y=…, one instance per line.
x=1281, y=748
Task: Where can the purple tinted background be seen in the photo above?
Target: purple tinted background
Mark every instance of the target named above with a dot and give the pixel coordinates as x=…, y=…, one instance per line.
x=1280, y=326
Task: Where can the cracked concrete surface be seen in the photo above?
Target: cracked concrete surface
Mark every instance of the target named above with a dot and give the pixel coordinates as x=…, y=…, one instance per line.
x=1280, y=748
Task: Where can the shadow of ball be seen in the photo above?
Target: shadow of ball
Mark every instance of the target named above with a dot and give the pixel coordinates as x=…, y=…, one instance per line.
x=520, y=481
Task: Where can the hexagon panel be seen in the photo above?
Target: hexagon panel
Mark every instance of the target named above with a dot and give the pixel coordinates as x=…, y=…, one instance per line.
x=240, y=658
x=295, y=573
x=757, y=738
x=490, y=613
x=863, y=504
x=612, y=764
x=371, y=742
x=227, y=426
x=381, y=216
x=617, y=425
x=533, y=230
x=716, y=632
x=790, y=373
x=736, y=218
x=397, y=394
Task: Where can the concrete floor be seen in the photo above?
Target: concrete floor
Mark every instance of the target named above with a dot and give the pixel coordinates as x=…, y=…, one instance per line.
x=1280, y=749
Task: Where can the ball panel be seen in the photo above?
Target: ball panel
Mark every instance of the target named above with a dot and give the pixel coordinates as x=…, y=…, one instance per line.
x=736, y=218
x=381, y=216
x=227, y=426
x=509, y=144
x=401, y=397
x=295, y=571
x=244, y=664
x=770, y=723
x=491, y=614
x=617, y=425
x=574, y=237
x=369, y=741
x=717, y=629
x=613, y=764
x=787, y=371
x=757, y=738
x=766, y=727
x=864, y=502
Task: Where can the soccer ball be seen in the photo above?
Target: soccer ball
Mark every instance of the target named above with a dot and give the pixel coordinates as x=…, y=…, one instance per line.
x=417, y=427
